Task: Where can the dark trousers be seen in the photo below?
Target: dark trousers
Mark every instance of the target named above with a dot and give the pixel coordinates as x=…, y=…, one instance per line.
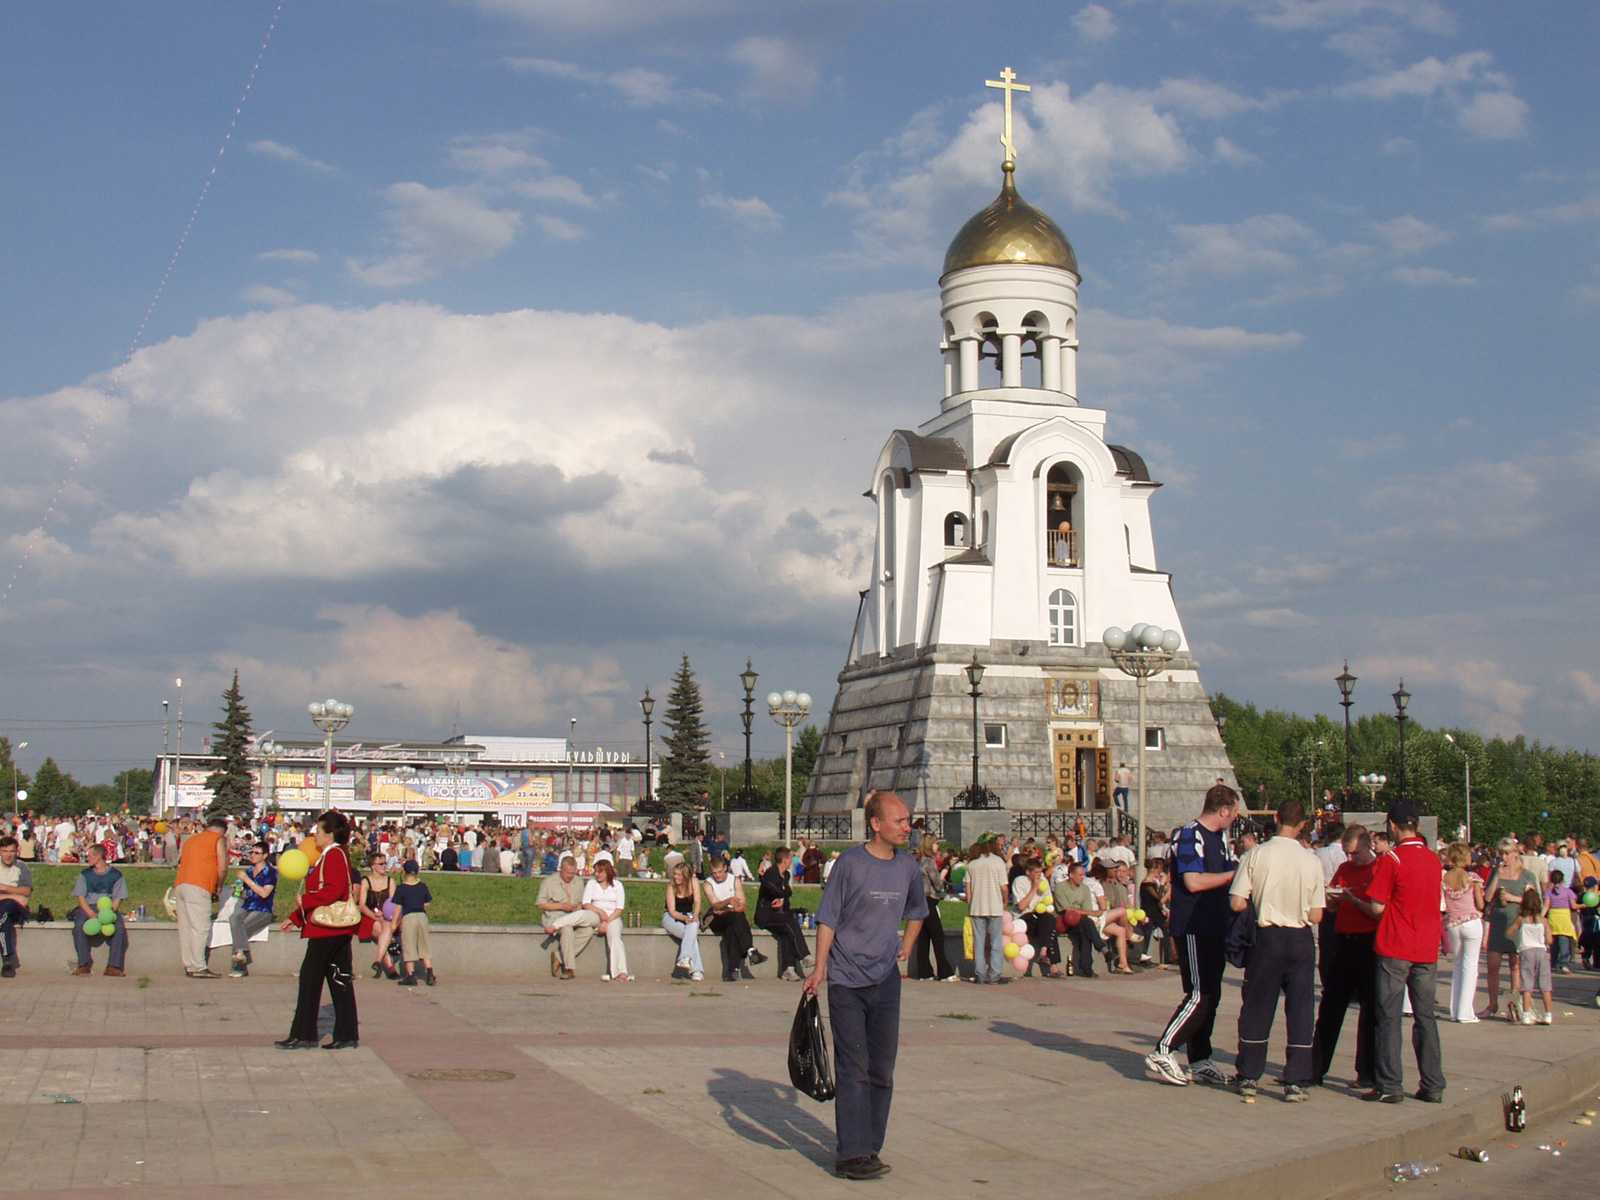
x=1042, y=936
x=785, y=930
x=1282, y=962
x=327, y=959
x=734, y=931
x=866, y=1036
x=1560, y=951
x=1353, y=978
x=1201, y=961
x=1327, y=947
x=1086, y=941
x=12, y=914
x=931, y=938
x=83, y=943
x=1395, y=978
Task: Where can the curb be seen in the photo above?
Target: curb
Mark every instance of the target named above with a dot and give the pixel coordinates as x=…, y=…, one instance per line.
x=1358, y=1167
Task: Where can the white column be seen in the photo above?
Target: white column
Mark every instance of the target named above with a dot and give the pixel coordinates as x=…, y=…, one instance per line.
x=1050, y=363
x=1069, y=368
x=951, y=365
x=969, y=364
x=1011, y=360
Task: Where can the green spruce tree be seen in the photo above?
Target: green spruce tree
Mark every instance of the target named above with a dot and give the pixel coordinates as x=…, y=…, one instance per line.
x=686, y=765
x=230, y=784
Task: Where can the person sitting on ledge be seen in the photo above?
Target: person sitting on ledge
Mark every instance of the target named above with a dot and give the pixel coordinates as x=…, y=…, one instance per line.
x=16, y=885
x=681, y=920
x=775, y=914
x=99, y=879
x=565, y=918
x=726, y=900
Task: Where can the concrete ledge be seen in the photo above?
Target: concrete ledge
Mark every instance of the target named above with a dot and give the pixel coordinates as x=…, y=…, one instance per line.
x=469, y=951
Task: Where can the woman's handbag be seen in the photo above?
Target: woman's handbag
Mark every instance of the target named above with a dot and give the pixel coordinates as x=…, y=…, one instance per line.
x=341, y=914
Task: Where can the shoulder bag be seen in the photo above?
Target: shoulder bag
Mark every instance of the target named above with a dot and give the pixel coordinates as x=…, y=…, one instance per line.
x=341, y=914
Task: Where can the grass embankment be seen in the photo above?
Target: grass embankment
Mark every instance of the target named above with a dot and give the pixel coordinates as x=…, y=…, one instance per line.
x=458, y=899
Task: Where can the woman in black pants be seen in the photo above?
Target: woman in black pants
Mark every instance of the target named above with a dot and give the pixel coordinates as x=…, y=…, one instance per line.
x=327, y=947
x=932, y=935
x=776, y=916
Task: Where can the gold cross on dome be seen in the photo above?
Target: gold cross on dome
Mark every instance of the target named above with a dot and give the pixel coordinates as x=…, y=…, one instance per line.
x=1007, y=83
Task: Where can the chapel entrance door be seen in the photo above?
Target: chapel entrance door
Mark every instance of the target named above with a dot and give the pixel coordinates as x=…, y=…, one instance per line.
x=1065, y=755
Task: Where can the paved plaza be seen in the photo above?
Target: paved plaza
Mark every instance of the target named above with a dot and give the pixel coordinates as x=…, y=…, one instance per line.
x=155, y=1084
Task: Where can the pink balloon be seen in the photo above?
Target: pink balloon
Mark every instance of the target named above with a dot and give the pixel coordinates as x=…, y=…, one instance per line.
x=1020, y=936
x=1019, y=964
x=1007, y=922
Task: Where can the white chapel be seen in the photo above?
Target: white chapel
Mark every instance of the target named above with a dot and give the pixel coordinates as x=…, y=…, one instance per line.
x=1010, y=528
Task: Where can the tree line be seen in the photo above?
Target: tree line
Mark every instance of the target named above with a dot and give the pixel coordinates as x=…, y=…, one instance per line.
x=1518, y=786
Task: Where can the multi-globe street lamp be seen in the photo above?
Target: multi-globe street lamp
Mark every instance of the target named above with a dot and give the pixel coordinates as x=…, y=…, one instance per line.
x=647, y=705
x=1401, y=699
x=17, y=797
x=788, y=709
x=748, y=678
x=328, y=715
x=1465, y=758
x=1347, y=686
x=270, y=752
x=1374, y=784
x=1141, y=652
x=455, y=765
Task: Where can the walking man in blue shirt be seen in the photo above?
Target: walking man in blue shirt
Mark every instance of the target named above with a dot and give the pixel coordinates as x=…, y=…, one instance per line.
x=860, y=947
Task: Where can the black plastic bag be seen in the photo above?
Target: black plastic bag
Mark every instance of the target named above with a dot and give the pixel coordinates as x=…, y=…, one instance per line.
x=809, y=1068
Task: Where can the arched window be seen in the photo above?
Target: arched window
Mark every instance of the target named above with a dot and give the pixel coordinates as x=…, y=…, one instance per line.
x=1063, y=618
x=1035, y=328
x=988, y=329
x=1063, y=517
x=955, y=529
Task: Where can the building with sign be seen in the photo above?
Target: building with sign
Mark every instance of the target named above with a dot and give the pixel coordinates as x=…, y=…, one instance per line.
x=1010, y=528
x=514, y=780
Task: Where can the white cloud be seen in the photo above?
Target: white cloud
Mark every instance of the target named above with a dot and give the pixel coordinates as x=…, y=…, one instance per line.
x=1095, y=23
x=778, y=68
x=1428, y=16
x=1573, y=212
x=750, y=212
x=1397, y=146
x=1496, y=115
x=555, y=227
x=267, y=296
x=606, y=16
x=1270, y=242
x=1586, y=685
x=290, y=255
x=1430, y=277
x=1276, y=618
x=284, y=153
x=1409, y=234
x=496, y=153
x=1201, y=98
x=433, y=230
x=1586, y=293
x=639, y=87
x=559, y=188
x=1234, y=155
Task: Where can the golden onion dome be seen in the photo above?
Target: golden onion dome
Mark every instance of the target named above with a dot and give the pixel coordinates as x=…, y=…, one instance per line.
x=1010, y=231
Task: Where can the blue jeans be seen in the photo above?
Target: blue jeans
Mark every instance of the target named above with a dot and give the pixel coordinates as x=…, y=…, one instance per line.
x=866, y=1036
x=688, y=935
x=1397, y=978
x=988, y=948
x=118, y=940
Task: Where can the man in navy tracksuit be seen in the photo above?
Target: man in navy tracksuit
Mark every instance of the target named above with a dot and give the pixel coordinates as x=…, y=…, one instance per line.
x=1202, y=869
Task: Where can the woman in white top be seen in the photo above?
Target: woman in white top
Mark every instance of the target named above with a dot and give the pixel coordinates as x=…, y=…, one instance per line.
x=603, y=896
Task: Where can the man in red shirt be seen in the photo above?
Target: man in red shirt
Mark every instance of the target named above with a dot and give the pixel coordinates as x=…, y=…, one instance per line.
x=1405, y=897
x=1351, y=971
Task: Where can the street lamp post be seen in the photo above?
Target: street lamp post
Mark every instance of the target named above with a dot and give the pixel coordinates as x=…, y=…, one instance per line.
x=270, y=751
x=1465, y=758
x=16, y=796
x=166, y=753
x=1347, y=685
x=748, y=678
x=455, y=764
x=788, y=709
x=405, y=773
x=177, y=768
x=1141, y=652
x=974, y=674
x=1374, y=784
x=1401, y=699
x=647, y=705
x=572, y=751
x=328, y=715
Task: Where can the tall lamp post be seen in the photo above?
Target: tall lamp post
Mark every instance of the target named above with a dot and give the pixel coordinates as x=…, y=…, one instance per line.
x=974, y=674
x=747, y=677
x=1401, y=699
x=1141, y=652
x=1374, y=784
x=166, y=753
x=328, y=715
x=647, y=705
x=177, y=768
x=16, y=797
x=455, y=763
x=572, y=762
x=1347, y=686
x=1465, y=758
x=788, y=709
x=270, y=751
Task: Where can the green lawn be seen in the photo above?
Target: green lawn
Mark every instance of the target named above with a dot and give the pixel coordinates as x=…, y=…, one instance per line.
x=458, y=899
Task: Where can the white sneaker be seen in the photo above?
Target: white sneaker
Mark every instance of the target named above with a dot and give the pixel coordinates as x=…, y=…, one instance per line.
x=698, y=976
x=1529, y=1019
x=1165, y=1068
x=1208, y=1072
x=1547, y=1018
x=605, y=978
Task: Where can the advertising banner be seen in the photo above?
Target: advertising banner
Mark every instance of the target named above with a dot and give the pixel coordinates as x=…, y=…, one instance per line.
x=462, y=794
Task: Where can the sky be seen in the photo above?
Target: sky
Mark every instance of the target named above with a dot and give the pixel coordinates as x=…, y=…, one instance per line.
x=512, y=349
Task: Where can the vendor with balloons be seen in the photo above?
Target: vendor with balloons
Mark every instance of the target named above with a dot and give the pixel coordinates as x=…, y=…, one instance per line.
x=99, y=891
x=326, y=916
x=1032, y=937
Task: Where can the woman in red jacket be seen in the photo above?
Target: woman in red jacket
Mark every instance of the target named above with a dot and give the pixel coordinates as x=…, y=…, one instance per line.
x=327, y=948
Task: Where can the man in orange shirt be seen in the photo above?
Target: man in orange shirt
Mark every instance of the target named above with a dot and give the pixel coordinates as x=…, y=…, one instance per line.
x=202, y=866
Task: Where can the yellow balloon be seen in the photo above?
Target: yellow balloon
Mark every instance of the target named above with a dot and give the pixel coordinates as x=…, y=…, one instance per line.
x=161, y=826
x=292, y=865
x=1012, y=950
x=1041, y=907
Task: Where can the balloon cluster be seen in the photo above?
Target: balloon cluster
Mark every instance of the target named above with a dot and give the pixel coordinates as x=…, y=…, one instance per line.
x=294, y=864
x=1017, y=950
x=104, y=921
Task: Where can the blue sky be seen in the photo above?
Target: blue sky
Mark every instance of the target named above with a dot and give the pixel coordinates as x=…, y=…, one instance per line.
x=520, y=346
